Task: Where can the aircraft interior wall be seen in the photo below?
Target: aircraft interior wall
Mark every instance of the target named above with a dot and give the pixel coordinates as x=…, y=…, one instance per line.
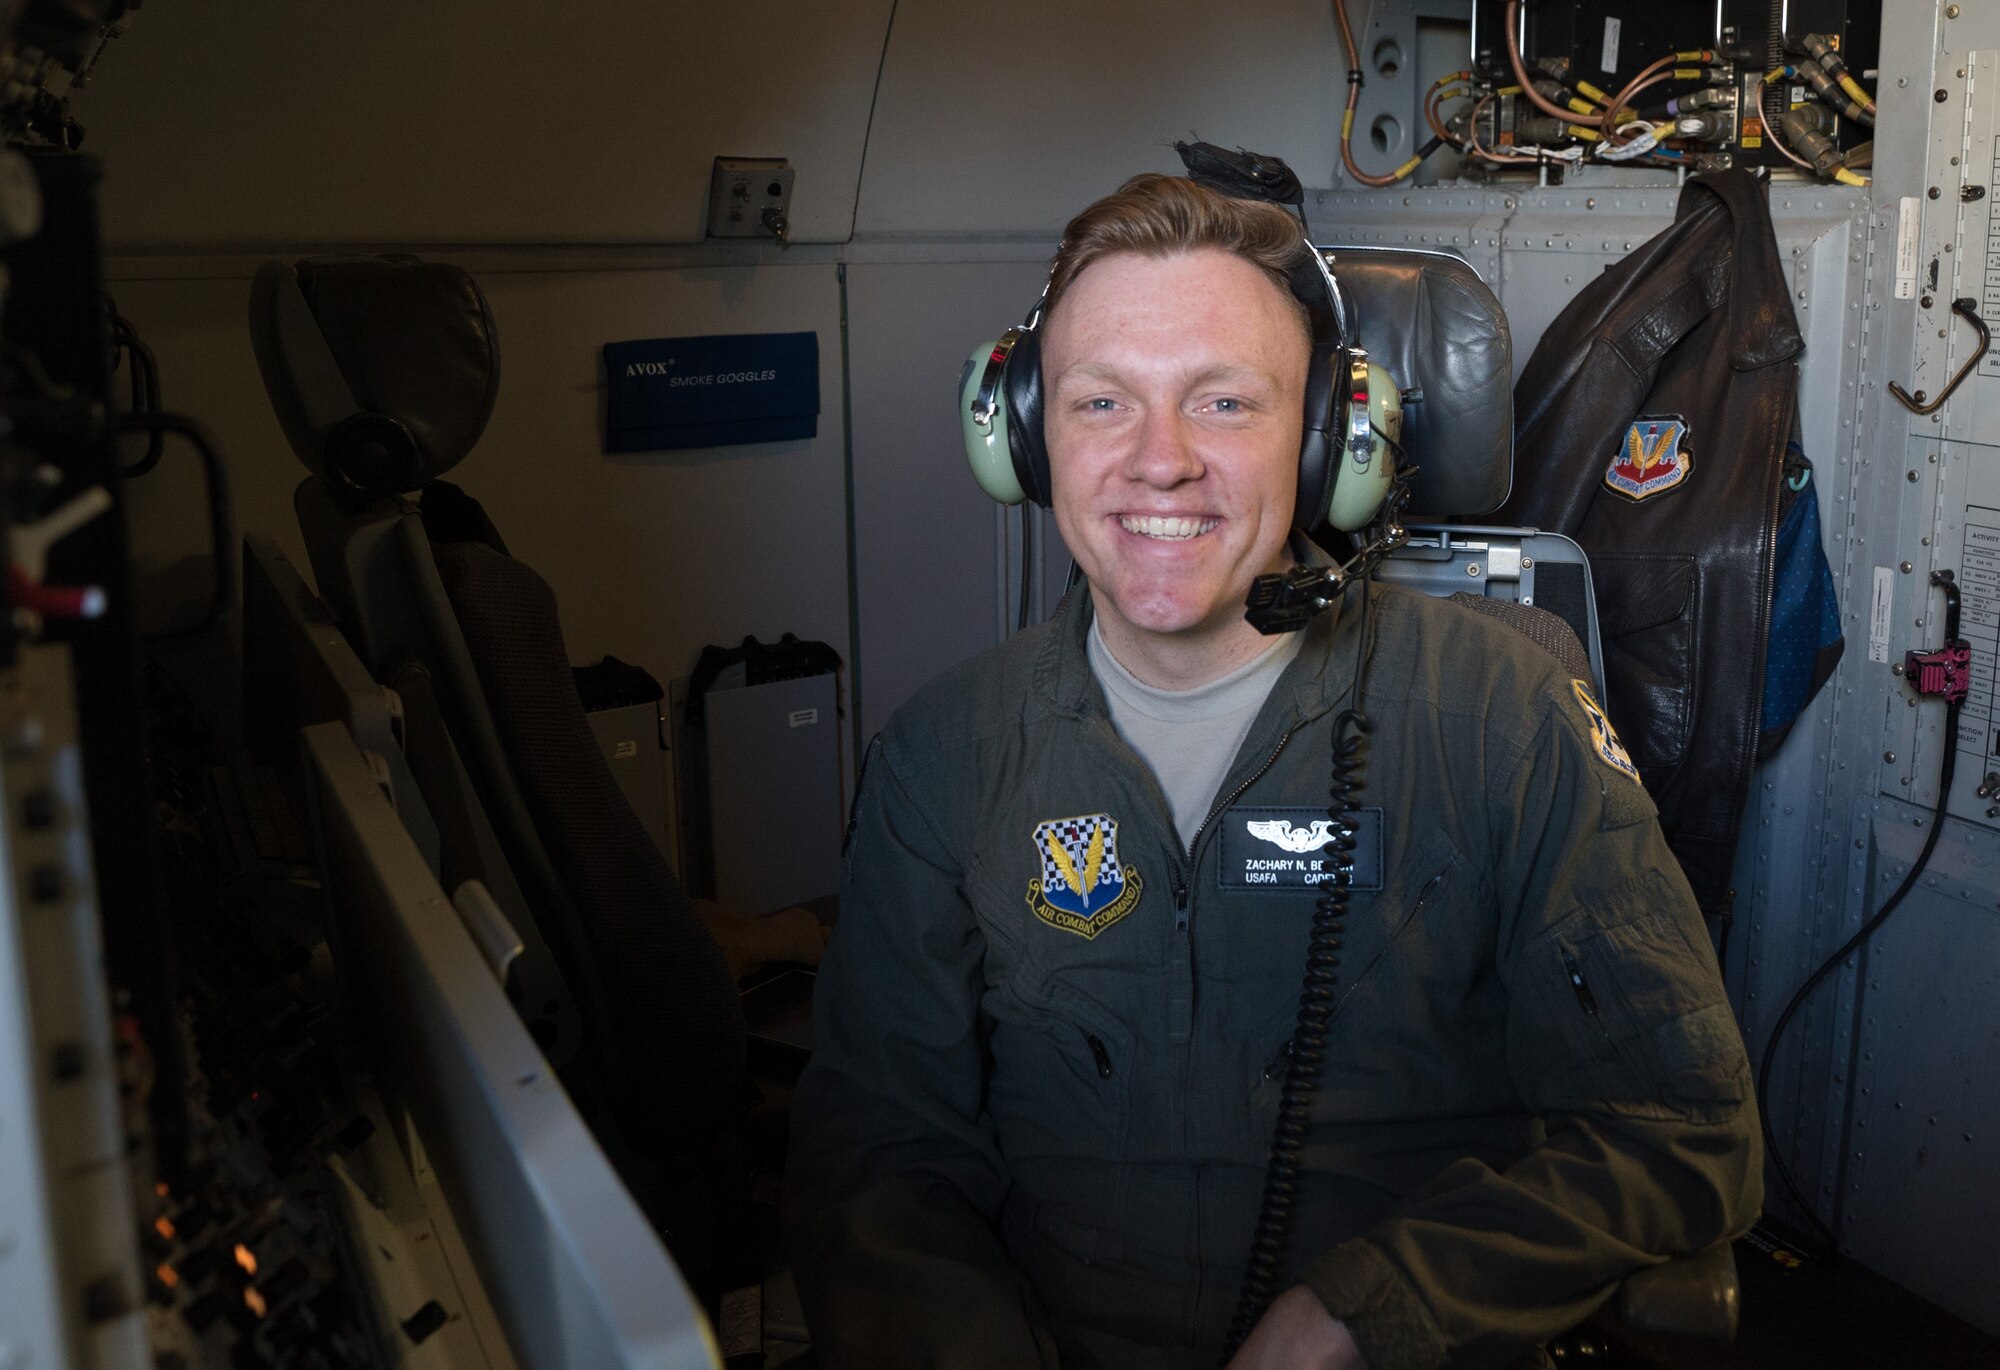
x=651, y=555
x=562, y=154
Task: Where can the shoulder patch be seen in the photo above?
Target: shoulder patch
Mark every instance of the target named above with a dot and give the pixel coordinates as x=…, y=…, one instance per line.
x=1603, y=739
x=1652, y=458
x=1083, y=887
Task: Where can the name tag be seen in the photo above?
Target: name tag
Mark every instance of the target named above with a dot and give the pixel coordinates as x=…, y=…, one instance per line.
x=1267, y=848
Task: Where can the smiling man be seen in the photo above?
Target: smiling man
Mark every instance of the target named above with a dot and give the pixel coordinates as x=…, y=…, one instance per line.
x=1175, y=391
x=1055, y=1013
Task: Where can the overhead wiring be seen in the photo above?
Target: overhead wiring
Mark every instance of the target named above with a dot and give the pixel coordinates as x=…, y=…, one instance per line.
x=1347, y=117
x=1551, y=116
x=1510, y=28
x=1777, y=137
x=1456, y=85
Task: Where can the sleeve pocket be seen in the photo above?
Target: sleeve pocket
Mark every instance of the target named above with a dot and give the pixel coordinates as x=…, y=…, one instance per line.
x=1646, y=1026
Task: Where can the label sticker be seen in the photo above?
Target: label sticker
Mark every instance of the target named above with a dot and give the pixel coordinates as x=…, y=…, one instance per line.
x=621, y=750
x=1266, y=848
x=804, y=718
x=1611, y=30
x=1909, y=222
x=1879, y=613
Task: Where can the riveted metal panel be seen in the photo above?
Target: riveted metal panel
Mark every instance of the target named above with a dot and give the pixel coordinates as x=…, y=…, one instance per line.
x=1910, y=1019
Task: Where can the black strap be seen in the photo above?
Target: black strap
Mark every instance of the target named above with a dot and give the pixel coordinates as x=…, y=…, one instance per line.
x=1243, y=174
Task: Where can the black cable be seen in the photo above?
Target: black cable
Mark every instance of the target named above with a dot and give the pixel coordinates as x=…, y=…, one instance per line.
x=1306, y=1055
x=1945, y=773
x=1027, y=561
x=145, y=383
x=145, y=402
x=222, y=538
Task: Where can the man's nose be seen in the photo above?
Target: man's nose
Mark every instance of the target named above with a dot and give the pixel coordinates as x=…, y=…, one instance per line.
x=1165, y=454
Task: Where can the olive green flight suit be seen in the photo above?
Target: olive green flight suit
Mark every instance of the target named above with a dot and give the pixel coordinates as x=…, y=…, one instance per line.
x=1050, y=1039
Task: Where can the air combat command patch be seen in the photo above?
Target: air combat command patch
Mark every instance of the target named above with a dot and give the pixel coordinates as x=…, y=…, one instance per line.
x=1652, y=459
x=1609, y=748
x=1083, y=887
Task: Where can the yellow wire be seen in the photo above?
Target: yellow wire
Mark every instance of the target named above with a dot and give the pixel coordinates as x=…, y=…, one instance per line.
x=1853, y=88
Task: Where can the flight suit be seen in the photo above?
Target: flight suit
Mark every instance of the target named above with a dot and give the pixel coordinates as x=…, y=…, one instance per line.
x=1050, y=1039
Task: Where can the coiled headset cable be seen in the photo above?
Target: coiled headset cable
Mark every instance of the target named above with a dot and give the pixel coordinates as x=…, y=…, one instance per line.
x=1306, y=1055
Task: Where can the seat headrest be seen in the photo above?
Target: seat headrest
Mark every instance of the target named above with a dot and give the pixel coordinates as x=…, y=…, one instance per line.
x=383, y=370
x=1429, y=318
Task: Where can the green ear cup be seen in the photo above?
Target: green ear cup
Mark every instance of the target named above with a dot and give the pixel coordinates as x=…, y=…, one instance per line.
x=986, y=443
x=1363, y=485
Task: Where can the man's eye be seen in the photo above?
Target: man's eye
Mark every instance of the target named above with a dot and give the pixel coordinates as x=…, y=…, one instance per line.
x=1226, y=405
x=1100, y=405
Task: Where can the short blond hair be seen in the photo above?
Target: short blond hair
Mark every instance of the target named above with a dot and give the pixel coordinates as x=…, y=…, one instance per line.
x=1163, y=216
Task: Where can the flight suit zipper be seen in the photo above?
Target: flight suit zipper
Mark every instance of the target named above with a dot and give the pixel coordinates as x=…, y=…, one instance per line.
x=1236, y=794
x=1181, y=1008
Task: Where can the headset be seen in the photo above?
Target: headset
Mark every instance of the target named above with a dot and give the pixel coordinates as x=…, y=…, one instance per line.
x=1353, y=412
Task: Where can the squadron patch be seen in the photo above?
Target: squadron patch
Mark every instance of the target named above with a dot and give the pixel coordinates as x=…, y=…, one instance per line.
x=1083, y=887
x=1609, y=748
x=1652, y=459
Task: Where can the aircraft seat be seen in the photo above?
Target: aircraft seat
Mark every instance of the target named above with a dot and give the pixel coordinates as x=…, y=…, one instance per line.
x=1442, y=334
x=383, y=372
x=1428, y=317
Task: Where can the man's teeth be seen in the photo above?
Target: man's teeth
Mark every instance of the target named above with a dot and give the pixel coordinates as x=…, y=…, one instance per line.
x=1171, y=529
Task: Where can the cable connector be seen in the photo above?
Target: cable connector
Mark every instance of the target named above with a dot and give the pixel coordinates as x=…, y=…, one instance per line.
x=1288, y=602
x=1947, y=672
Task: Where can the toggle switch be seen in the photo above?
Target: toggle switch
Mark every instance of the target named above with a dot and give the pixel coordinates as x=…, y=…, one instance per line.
x=750, y=197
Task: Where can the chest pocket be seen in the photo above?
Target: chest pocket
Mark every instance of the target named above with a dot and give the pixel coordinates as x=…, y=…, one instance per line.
x=1061, y=1056
x=1423, y=893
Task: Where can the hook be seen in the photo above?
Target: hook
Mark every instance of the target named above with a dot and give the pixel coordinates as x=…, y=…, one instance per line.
x=1915, y=403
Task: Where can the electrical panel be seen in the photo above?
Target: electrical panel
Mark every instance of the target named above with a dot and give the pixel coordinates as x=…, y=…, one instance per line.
x=1852, y=27
x=1742, y=84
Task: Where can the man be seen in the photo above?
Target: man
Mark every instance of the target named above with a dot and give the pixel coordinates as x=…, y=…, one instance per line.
x=1054, y=1013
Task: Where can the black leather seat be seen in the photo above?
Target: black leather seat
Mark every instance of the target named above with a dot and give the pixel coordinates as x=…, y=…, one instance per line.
x=383, y=372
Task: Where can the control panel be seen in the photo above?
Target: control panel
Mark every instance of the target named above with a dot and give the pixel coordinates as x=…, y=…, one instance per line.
x=70, y=1286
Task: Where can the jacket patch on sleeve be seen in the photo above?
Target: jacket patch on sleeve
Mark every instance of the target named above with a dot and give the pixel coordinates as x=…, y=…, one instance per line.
x=1609, y=749
x=1652, y=459
x=1083, y=887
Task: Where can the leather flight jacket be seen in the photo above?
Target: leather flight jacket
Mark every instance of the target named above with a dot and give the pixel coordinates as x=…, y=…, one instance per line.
x=1650, y=425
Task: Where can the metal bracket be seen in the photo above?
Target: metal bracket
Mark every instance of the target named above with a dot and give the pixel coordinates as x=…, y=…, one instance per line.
x=1916, y=404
